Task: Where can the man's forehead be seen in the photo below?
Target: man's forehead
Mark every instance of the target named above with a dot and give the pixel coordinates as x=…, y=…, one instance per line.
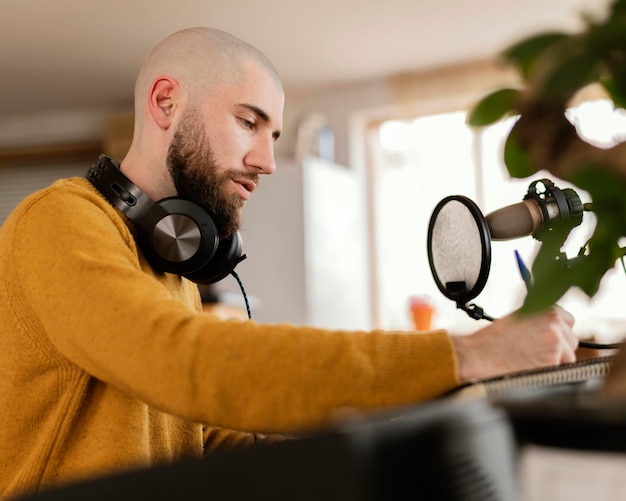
x=256, y=90
x=263, y=97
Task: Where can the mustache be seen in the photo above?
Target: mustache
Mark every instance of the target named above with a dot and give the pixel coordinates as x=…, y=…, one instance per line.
x=251, y=178
x=248, y=175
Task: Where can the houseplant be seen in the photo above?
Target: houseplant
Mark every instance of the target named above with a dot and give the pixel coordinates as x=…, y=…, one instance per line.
x=554, y=68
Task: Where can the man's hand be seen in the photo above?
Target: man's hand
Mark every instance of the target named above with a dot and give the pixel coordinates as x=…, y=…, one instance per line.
x=515, y=343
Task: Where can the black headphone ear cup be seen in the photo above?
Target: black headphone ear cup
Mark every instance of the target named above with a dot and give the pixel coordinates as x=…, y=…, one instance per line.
x=228, y=254
x=182, y=237
x=174, y=234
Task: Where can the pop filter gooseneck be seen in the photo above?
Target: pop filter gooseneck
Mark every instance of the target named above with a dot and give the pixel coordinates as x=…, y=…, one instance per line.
x=459, y=252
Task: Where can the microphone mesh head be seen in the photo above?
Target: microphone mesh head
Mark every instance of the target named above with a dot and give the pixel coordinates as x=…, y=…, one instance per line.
x=456, y=245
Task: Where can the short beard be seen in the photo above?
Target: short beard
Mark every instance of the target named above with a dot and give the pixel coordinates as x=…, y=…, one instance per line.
x=196, y=176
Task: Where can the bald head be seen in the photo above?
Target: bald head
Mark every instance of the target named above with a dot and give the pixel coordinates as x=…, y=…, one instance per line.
x=199, y=59
x=200, y=86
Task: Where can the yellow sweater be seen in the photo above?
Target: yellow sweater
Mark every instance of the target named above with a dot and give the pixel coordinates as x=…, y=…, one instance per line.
x=109, y=365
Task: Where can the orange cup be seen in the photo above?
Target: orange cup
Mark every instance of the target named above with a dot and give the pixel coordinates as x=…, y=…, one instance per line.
x=421, y=313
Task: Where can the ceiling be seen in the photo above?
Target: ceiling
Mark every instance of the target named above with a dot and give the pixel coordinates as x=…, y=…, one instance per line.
x=68, y=54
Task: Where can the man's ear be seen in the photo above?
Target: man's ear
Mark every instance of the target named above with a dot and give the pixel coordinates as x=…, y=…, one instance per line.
x=162, y=101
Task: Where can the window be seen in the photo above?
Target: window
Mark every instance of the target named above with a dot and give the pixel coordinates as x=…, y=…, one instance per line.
x=421, y=161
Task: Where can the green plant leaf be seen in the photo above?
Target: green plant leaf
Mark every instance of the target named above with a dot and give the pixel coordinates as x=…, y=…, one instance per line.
x=493, y=107
x=552, y=277
x=616, y=88
x=603, y=185
x=609, y=206
x=516, y=160
x=609, y=203
x=571, y=75
x=525, y=53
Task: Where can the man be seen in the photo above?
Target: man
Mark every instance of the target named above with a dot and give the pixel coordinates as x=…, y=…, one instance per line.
x=109, y=363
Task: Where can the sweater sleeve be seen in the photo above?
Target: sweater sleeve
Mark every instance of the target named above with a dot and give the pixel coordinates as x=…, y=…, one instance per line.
x=100, y=308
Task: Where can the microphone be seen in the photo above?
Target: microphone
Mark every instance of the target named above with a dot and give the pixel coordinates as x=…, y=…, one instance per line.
x=542, y=207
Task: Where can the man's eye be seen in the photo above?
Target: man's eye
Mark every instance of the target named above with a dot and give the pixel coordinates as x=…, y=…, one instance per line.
x=247, y=123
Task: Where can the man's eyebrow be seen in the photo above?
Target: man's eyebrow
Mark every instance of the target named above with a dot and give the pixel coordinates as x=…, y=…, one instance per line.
x=262, y=115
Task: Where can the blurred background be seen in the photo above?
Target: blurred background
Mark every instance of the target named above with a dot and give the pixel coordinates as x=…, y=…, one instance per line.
x=375, y=135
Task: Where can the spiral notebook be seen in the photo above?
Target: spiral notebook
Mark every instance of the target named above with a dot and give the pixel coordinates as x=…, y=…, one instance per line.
x=585, y=371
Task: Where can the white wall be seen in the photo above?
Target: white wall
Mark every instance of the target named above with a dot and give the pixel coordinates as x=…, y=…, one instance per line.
x=305, y=238
x=273, y=239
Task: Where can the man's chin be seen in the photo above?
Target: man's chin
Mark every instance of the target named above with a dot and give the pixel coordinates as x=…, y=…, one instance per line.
x=227, y=229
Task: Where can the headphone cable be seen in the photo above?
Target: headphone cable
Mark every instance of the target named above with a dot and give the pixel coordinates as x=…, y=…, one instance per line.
x=245, y=298
x=243, y=291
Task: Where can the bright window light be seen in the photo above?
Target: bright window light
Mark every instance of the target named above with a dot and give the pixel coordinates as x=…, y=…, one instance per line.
x=599, y=122
x=435, y=156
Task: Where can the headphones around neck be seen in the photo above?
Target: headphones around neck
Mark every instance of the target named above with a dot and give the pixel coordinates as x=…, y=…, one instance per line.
x=176, y=235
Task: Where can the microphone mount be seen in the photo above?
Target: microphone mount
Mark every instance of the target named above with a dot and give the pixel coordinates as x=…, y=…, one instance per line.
x=458, y=292
x=557, y=206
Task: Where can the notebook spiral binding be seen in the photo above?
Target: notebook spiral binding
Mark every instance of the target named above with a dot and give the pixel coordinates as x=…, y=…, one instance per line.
x=577, y=372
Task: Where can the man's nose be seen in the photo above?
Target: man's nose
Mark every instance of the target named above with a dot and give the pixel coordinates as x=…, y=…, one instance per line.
x=262, y=156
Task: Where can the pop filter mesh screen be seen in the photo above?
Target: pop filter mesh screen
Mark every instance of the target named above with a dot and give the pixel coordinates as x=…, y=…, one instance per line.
x=456, y=245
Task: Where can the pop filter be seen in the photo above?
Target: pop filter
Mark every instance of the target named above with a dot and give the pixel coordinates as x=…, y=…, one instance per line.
x=459, y=251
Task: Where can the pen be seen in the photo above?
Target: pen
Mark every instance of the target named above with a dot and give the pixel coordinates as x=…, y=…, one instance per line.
x=523, y=269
